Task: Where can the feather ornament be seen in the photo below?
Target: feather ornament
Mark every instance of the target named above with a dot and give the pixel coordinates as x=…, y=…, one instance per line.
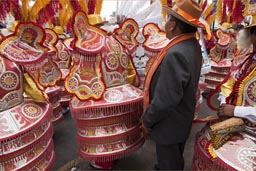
x=150, y=14
x=15, y=9
x=75, y=4
x=91, y=6
x=208, y=10
x=127, y=7
x=130, y=9
x=5, y=8
x=137, y=7
x=211, y=18
x=48, y=12
x=237, y=15
x=98, y=6
x=224, y=11
x=204, y=5
x=25, y=10
x=83, y=6
x=219, y=11
x=164, y=3
x=35, y=9
x=65, y=13
x=246, y=7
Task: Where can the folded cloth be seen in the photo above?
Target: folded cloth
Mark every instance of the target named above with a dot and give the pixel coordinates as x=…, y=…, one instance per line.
x=222, y=130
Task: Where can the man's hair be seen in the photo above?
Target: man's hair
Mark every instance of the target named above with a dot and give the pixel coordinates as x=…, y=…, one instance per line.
x=184, y=27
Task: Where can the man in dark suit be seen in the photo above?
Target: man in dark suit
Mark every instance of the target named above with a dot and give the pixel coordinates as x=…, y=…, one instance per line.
x=171, y=84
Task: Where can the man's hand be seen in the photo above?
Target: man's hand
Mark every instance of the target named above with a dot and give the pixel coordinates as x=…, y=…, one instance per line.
x=145, y=130
x=226, y=110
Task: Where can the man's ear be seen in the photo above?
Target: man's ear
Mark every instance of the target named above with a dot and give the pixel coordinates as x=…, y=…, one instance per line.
x=172, y=26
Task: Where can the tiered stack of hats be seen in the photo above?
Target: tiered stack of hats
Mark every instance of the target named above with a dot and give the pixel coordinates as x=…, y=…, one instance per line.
x=221, y=55
x=107, y=110
x=26, y=129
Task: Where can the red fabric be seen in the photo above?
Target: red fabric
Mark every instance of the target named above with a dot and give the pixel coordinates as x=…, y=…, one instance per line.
x=5, y=7
x=16, y=10
x=91, y=6
x=237, y=15
x=48, y=12
x=75, y=5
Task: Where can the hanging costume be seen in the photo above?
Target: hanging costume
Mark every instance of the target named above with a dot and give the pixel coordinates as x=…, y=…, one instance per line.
x=54, y=91
x=26, y=129
x=106, y=106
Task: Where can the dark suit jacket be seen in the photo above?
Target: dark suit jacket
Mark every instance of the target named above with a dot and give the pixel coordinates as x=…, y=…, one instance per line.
x=173, y=93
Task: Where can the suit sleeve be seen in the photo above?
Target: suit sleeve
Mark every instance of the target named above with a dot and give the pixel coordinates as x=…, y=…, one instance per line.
x=173, y=77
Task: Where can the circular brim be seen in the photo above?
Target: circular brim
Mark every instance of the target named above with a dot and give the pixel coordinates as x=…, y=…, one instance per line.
x=176, y=15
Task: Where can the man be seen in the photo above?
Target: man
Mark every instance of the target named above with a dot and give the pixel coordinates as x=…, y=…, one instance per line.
x=171, y=85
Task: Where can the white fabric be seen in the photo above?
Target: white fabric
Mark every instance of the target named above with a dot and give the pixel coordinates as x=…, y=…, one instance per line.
x=247, y=112
x=222, y=99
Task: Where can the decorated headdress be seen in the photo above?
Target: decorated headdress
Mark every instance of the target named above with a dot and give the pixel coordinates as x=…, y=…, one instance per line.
x=126, y=34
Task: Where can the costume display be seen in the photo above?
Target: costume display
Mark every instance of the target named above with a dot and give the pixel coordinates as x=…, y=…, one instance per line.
x=53, y=92
x=106, y=106
x=230, y=144
x=26, y=128
x=221, y=56
x=63, y=60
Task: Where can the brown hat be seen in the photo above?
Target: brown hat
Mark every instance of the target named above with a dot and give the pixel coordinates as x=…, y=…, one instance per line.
x=188, y=11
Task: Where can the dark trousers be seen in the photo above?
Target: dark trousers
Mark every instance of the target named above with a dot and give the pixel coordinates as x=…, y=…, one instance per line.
x=170, y=157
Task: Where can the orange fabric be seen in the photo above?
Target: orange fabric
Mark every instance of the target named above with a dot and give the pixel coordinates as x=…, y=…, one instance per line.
x=156, y=63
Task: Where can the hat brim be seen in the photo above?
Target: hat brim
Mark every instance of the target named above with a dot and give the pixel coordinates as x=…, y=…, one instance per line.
x=176, y=15
x=250, y=26
x=101, y=23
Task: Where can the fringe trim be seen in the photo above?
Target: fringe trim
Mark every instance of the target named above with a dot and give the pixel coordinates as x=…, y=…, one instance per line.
x=36, y=150
x=118, y=118
x=20, y=137
x=105, y=111
x=114, y=156
x=44, y=160
x=39, y=134
x=108, y=138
